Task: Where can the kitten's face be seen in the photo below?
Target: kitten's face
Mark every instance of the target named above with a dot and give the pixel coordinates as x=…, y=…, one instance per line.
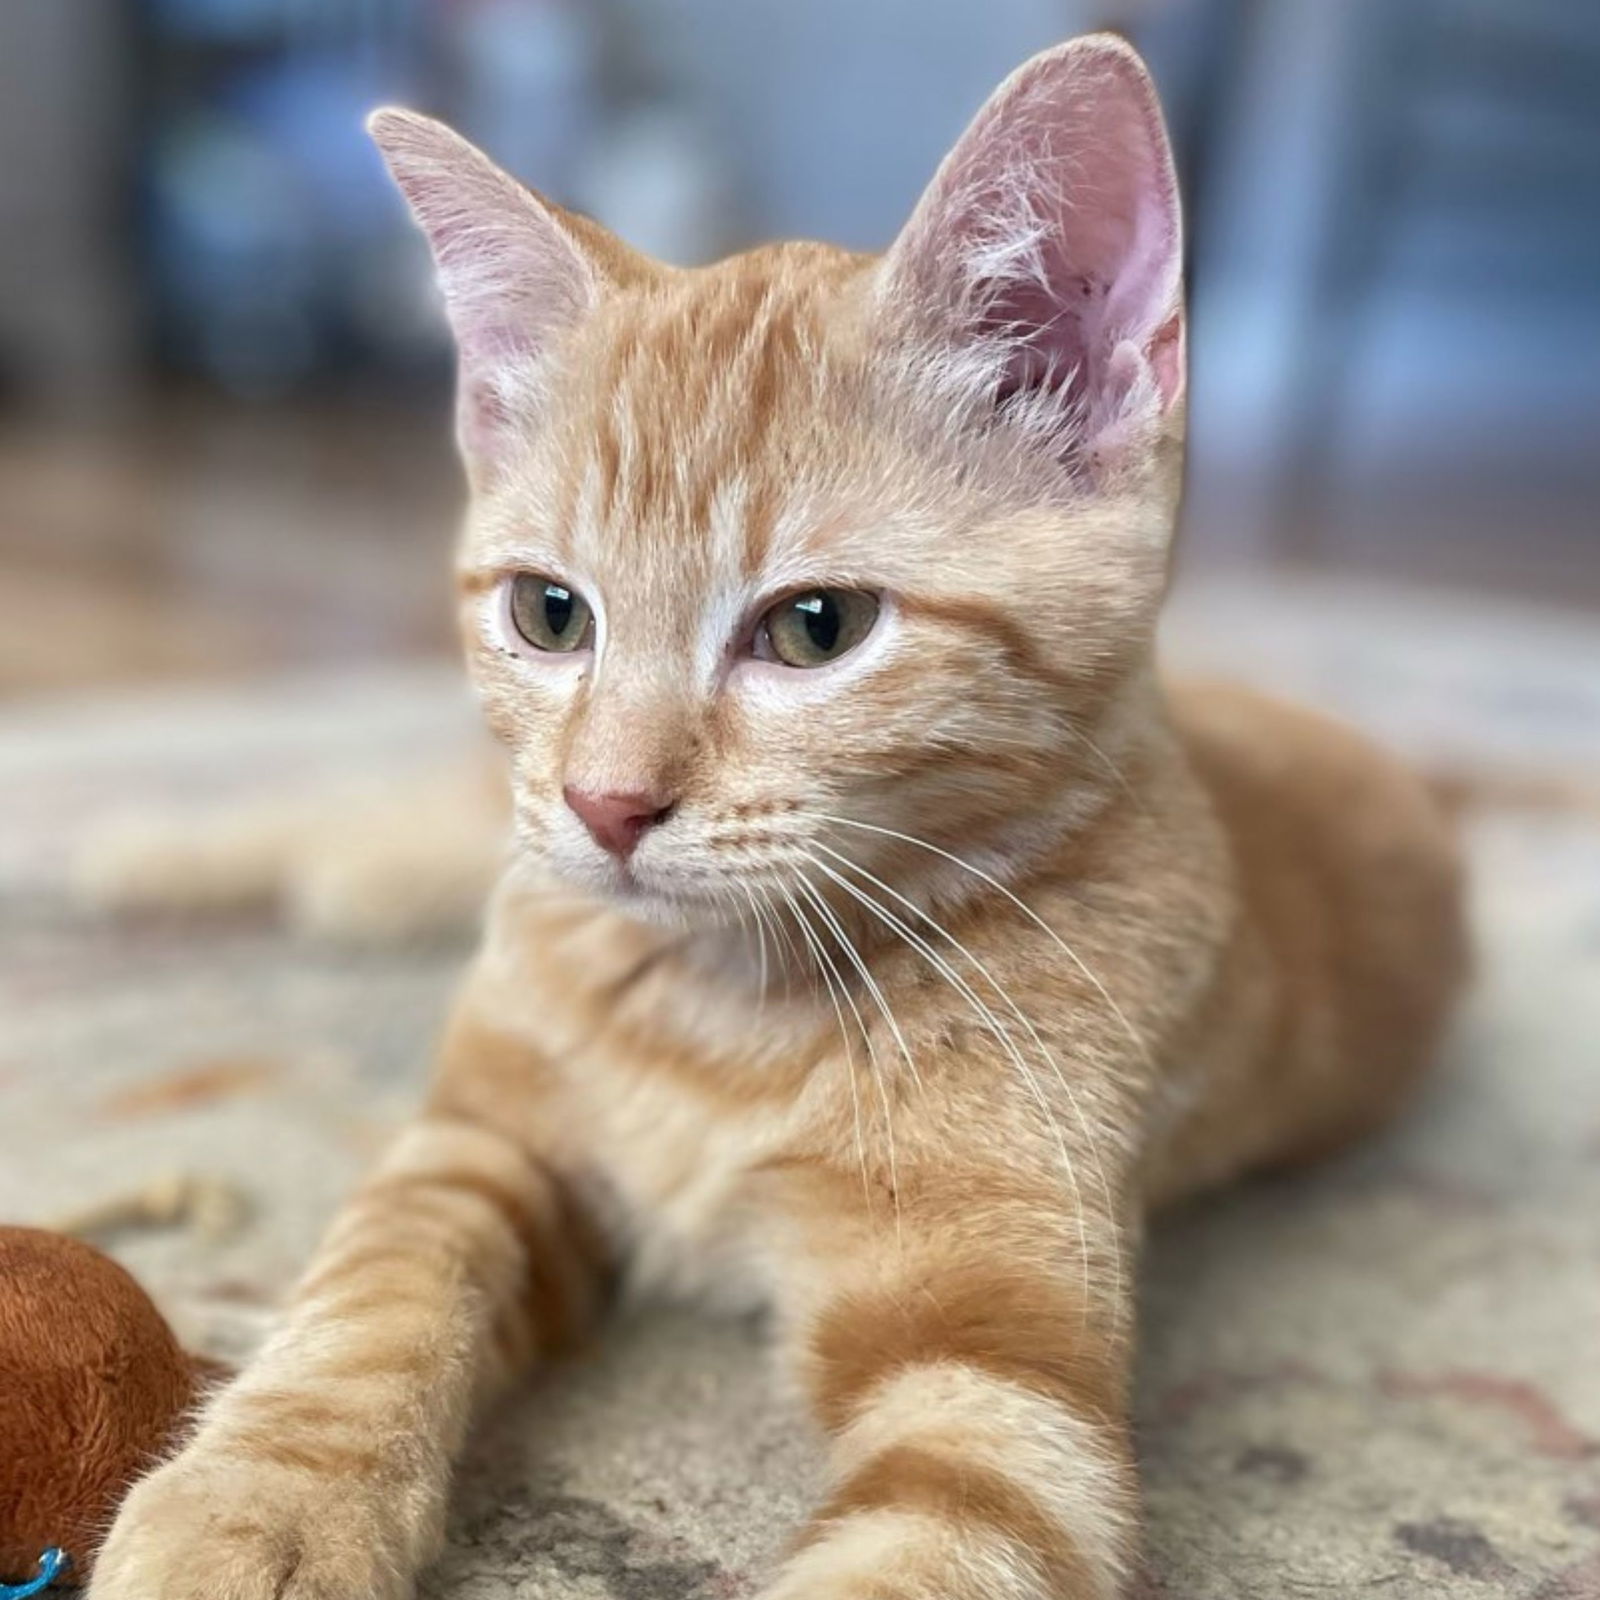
x=749, y=573
x=776, y=565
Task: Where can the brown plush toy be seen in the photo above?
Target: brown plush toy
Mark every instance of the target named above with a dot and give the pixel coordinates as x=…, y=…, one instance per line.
x=93, y=1388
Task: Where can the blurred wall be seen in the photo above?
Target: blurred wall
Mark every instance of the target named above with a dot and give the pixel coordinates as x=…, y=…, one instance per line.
x=1397, y=294
x=1394, y=209
x=833, y=114
x=66, y=319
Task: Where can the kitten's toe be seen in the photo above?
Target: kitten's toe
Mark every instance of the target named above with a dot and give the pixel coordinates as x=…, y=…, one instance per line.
x=204, y=1528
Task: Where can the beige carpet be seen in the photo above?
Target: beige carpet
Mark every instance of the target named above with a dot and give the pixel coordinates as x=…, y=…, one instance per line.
x=1382, y=1378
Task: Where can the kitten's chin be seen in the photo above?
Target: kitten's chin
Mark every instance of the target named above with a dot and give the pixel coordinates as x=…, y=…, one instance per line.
x=666, y=903
x=644, y=897
x=662, y=910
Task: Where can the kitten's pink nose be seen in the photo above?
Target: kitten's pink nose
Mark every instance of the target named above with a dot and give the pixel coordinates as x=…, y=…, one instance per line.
x=617, y=822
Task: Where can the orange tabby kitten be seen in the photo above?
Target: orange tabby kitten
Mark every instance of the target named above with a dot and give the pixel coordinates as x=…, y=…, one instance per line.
x=880, y=940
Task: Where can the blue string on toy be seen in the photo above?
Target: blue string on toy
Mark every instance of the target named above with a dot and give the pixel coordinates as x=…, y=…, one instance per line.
x=51, y=1565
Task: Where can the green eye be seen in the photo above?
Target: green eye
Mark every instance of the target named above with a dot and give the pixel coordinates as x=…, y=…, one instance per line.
x=816, y=626
x=548, y=615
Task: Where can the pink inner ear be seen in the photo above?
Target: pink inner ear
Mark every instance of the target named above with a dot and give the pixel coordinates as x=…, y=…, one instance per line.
x=511, y=276
x=1168, y=359
x=1060, y=211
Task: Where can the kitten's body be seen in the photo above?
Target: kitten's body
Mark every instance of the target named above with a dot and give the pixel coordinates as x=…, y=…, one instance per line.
x=938, y=966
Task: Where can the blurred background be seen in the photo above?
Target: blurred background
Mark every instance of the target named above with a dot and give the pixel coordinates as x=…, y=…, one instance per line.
x=223, y=382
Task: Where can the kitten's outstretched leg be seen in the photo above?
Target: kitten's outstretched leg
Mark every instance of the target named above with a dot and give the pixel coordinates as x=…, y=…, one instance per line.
x=406, y=856
x=974, y=1390
x=322, y=1473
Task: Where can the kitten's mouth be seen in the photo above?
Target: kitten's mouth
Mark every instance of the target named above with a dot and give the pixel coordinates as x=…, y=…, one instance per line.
x=649, y=890
x=645, y=903
x=661, y=898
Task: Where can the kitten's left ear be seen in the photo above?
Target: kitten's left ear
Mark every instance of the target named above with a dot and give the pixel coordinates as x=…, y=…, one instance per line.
x=1052, y=237
x=515, y=272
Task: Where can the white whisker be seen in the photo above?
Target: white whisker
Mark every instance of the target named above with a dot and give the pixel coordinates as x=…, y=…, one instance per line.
x=871, y=983
x=761, y=936
x=836, y=988
x=781, y=928
x=1022, y=906
x=993, y=1024
x=976, y=1001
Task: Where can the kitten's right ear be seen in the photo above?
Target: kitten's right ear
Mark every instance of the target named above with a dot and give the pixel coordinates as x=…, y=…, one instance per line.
x=512, y=275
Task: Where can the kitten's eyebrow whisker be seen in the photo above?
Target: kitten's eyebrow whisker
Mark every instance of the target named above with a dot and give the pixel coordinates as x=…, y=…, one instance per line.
x=1110, y=766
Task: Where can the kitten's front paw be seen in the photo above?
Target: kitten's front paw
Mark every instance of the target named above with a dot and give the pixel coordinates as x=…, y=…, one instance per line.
x=210, y=1526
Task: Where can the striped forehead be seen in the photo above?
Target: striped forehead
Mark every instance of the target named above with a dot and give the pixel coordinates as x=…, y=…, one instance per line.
x=689, y=465
x=694, y=403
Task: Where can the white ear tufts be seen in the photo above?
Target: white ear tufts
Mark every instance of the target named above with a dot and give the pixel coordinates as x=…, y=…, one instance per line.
x=1050, y=240
x=511, y=275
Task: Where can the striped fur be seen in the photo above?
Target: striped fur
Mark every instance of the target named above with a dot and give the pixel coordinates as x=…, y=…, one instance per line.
x=952, y=958
x=326, y=1466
